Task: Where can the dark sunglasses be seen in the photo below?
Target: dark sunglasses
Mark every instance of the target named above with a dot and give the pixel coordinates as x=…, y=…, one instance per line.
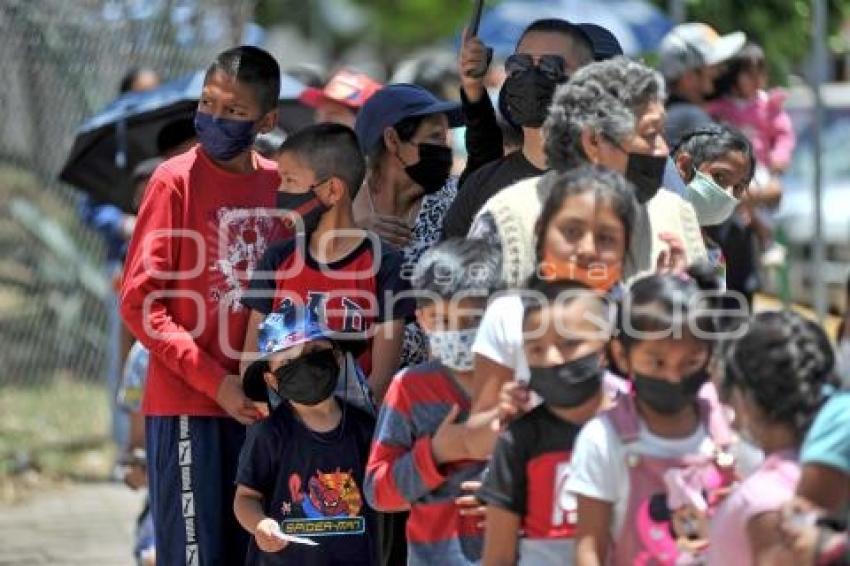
x=552, y=66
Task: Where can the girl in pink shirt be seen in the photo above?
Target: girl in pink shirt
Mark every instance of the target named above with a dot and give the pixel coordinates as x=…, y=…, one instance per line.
x=745, y=103
x=779, y=374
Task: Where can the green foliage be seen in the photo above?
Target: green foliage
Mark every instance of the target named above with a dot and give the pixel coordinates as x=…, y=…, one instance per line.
x=401, y=25
x=782, y=27
x=395, y=26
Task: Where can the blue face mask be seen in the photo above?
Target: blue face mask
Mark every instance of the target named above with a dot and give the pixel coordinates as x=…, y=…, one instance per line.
x=222, y=138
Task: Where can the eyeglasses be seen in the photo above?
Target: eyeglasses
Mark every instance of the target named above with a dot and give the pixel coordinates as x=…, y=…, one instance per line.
x=552, y=66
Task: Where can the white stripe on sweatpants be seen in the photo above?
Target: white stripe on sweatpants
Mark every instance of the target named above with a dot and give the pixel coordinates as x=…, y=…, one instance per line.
x=187, y=496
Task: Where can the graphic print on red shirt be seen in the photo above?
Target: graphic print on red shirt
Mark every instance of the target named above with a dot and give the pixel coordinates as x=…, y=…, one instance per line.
x=351, y=295
x=199, y=235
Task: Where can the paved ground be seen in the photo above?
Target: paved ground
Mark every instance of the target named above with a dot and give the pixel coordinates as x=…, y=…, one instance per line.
x=81, y=524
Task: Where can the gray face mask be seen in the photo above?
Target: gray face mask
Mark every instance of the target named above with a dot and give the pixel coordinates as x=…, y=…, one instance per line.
x=712, y=203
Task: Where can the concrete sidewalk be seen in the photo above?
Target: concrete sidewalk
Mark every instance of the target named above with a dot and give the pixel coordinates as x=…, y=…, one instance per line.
x=74, y=525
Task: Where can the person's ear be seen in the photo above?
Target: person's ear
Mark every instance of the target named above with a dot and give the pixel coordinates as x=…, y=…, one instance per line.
x=621, y=358
x=391, y=140
x=268, y=122
x=685, y=166
x=336, y=190
x=590, y=141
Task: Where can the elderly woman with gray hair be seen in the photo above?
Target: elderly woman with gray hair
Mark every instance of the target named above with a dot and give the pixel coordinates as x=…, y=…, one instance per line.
x=611, y=114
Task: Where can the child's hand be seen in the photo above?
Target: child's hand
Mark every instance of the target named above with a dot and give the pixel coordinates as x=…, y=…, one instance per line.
x=445, y=444
x=513, y=400
x=135, y=477
x=674, y=260
x=473, y=62
x=480, y=434
x=469, y=505
x=266, y=536
x=231, y=397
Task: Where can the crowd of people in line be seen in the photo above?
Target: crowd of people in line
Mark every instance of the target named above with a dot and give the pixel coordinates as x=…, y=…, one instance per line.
x=353, y=348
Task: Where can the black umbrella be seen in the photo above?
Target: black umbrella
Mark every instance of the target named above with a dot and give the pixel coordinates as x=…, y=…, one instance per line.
x=108, y=146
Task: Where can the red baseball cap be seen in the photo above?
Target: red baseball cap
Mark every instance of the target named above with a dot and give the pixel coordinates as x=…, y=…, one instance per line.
x=346, y=87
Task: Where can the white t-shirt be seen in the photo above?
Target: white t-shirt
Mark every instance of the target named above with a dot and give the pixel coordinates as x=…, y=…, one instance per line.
x=499, y=336
x=600, y=461
x=500, y=339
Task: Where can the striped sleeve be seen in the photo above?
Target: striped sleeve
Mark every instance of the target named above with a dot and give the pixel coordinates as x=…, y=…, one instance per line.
x=401, y=468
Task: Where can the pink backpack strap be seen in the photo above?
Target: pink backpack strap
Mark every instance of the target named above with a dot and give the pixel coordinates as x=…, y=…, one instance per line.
x=624, y=418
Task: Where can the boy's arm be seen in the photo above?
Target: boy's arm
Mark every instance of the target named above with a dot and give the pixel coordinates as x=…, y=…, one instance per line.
x=401, y=469
x=151, y=261
x=396, y=307
x=248, y=508
x=386, y=356
x=250, y=347
x=500, y=539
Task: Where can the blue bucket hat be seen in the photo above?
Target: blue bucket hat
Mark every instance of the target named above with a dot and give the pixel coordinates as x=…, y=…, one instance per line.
x=394, y=103
x=286, y=328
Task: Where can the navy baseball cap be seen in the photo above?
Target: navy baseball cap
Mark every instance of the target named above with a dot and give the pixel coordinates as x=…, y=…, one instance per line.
x=394, y=103
x=605, y=44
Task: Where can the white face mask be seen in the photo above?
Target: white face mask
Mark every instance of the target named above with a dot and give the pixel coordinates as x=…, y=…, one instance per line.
x=453, y=348
x=712, y=203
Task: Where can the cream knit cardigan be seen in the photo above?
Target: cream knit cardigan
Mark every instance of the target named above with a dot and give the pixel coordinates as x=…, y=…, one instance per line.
x=515, y=211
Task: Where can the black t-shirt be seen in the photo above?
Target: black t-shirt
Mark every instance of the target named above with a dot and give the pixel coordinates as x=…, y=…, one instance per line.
x=480, y=186
x=527, y=473
x=313, y=483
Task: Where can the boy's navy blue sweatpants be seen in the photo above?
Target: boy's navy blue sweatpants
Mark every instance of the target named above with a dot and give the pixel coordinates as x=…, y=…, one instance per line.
x=191, y=471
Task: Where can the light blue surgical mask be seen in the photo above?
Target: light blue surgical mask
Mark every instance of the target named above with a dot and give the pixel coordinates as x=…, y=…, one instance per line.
x=713, y=204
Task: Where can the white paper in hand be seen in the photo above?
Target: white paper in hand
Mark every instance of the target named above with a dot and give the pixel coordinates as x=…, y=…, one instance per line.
x=297, y=540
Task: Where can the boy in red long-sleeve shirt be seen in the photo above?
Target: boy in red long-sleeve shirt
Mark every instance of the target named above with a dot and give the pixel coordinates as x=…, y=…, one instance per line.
x=205, y=221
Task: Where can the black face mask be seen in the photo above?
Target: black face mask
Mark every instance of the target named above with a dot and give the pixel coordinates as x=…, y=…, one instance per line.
x=432, y=170
x=310, y=379
x=646, y=172
x=306, y=204
x=666, y=397
x=525, y=97
x=570, y=384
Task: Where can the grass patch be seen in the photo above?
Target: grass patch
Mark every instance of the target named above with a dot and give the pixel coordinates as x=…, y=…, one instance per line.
x=58, y=430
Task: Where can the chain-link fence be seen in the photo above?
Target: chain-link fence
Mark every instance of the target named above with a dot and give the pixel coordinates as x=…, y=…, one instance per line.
x=61, y=61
